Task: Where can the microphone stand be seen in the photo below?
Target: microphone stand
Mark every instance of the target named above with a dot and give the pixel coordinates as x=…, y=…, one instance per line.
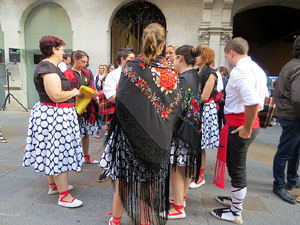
x=7, y=98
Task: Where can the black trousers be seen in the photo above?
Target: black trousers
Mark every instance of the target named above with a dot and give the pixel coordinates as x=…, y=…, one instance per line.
x=237, y=149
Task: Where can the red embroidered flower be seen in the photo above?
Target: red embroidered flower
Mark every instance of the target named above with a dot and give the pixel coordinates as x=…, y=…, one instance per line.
x=140, y=82
x=141, y=64
x=167, y=80
x=165, y=113
x=193, y=103
x=157, y=105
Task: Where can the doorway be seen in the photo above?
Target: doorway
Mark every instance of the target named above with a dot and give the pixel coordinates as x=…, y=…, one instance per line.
x=129, y=23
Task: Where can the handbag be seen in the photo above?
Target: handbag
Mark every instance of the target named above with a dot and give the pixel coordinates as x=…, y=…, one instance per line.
x=266, y=114
x=105, y=107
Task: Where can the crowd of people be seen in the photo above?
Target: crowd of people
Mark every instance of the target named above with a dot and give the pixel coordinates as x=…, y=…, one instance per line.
x=161, y=116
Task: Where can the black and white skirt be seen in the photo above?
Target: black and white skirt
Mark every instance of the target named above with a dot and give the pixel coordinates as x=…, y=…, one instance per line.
x=53, y=143
x=210, y=126
x=86, y=128
x=123, y=164
x=179, y=153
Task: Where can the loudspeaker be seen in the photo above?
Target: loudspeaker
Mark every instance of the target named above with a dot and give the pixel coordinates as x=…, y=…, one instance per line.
x=14, y=55
x=2, y=58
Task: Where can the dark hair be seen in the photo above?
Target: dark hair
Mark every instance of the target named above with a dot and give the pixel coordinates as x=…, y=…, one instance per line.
x=66, y=56
x=78, y=55
x=189, y=53
x=154, y=34
x=239, y=45
x=122, y=53
x=296, y=47
x=224, y=70
x=47, y=43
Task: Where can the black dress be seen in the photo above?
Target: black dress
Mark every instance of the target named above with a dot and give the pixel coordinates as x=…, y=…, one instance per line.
x=186, y=143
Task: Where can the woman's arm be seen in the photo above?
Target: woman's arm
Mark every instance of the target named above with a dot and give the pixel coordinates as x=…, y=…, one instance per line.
x=209, y=86
x=52, y=84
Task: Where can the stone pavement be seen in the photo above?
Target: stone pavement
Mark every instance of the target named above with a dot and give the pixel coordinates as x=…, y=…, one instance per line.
x=24, y=199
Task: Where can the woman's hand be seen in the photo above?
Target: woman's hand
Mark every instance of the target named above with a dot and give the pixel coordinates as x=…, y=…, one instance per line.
x=76, y=93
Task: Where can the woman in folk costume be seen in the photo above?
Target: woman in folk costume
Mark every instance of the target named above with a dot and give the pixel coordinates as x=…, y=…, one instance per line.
x=53, y=144
x=186, y=143
x=88, y=120
x=138, y=150
x=210, y=125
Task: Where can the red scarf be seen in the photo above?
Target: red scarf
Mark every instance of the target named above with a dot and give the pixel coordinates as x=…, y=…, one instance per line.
x=234, y=120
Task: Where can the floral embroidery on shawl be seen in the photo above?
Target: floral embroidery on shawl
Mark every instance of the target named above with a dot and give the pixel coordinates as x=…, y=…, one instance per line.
x=164, y=77
x=191, y=112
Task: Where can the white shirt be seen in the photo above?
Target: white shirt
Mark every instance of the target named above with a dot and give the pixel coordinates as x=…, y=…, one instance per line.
x=62, y=66
x=220, y=85
x=111, y=82
x=246, y=86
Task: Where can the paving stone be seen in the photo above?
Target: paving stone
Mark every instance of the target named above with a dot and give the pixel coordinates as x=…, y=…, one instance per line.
x=85, y=177
x=5, y=169
x=9, y=185
x=20, y=201
x=22, y=171
x=265, y=156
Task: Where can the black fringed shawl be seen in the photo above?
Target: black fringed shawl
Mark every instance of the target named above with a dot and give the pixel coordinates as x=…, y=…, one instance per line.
x=151, y=96
x=188, y=128
x=146, y=112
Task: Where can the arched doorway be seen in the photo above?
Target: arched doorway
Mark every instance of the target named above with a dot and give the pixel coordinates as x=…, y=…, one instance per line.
x=2, y=69
x=270, y=31
x=129, y=23
x=45, y=19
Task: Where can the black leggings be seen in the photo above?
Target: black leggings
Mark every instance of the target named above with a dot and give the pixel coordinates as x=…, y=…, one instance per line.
x=237, y=149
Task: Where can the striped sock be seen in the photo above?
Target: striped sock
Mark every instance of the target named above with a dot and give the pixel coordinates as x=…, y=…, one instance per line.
x=238, y=196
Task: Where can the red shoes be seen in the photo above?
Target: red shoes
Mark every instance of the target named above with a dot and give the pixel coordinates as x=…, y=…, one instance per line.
x=68, y=204
x=88, y=160
x=54, y=190
x=115, y=220
x=172, y=201
x=177, y=215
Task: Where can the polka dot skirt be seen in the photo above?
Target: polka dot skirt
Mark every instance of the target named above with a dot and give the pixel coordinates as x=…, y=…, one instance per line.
x=86, y=128
x=179, y=152
x=123, y=165
x=53, y=143
x=210, y=126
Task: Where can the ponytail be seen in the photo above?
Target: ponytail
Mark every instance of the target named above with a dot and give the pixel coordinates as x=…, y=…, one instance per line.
x=153, y=36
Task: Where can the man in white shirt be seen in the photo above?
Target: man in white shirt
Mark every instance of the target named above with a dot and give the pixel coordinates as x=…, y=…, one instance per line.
x=111, y=84
x=245, y=94
x=112, y=79
x=63, y=65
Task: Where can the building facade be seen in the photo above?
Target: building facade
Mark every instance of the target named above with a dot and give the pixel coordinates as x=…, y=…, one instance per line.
x=99, y=27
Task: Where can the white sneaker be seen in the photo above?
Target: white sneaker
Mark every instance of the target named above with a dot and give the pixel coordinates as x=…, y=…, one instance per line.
x=72, y=204
x=194, y=185
x=78, y=169
x=55, y=190
x=171, y=200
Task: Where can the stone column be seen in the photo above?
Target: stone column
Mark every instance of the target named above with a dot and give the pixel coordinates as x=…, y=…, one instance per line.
x=215, y=30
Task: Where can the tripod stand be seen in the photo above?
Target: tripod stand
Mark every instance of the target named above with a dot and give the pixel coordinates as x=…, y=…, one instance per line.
x=7, y=98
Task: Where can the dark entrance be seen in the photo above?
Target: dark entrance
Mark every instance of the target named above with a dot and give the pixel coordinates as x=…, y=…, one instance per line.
x=270, y=31
x=129, y=23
